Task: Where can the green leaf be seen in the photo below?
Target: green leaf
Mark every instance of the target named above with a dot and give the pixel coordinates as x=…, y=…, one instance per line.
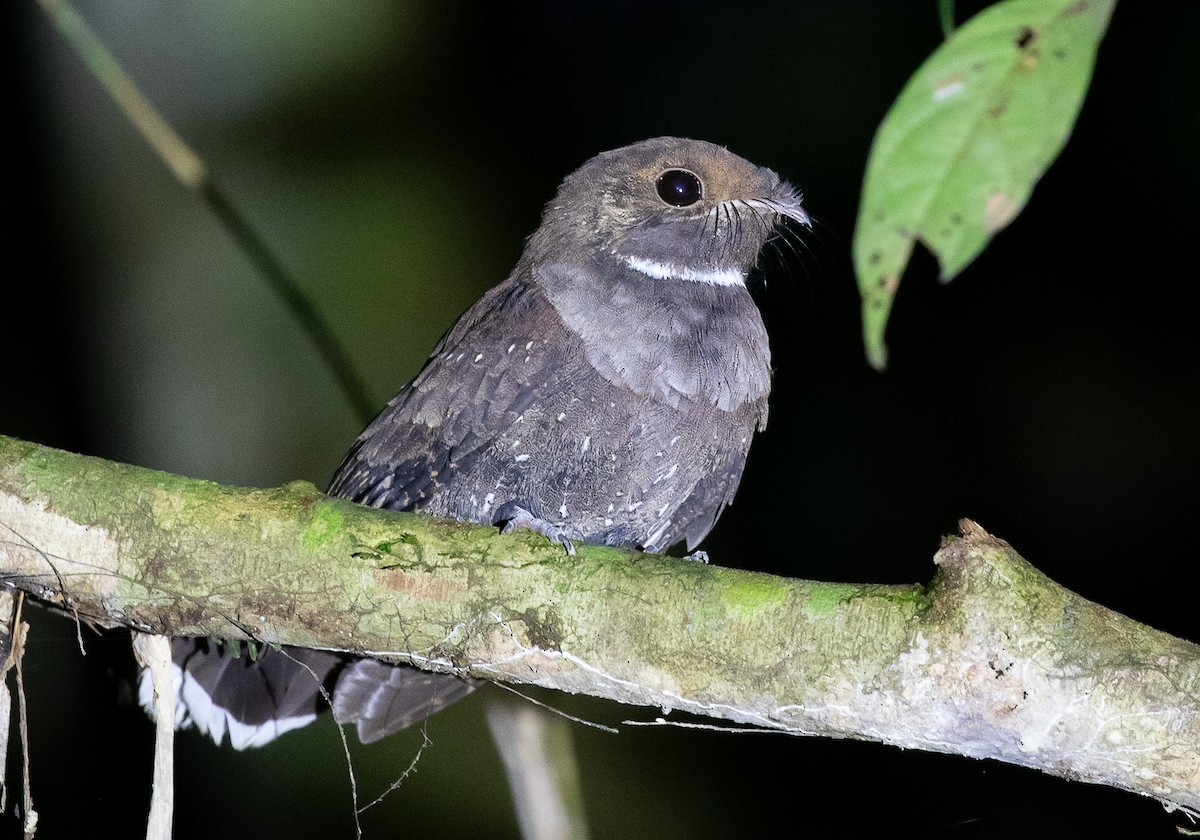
x=957, y=157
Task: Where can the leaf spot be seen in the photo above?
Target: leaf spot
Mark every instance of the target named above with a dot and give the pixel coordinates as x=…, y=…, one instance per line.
x=952, y=85
x=999, y=211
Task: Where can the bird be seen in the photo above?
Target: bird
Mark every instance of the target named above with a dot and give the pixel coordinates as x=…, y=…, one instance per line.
x=606, y=392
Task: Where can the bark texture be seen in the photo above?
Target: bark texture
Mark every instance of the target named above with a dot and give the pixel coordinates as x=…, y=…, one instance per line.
x=993, y=659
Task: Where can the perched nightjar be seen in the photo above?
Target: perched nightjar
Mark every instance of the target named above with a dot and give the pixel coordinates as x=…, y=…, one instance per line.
x=606, y=392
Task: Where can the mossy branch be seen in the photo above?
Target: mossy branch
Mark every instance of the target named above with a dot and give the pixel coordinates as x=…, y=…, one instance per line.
x=993, y=660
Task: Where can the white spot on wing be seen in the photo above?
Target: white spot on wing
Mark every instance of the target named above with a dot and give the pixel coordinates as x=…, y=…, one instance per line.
x=587, y=444
x=667, y=475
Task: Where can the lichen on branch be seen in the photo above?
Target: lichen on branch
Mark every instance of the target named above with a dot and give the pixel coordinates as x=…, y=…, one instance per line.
x=993, y=660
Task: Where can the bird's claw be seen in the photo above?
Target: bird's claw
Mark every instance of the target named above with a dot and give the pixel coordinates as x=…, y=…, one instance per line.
x=518, y=517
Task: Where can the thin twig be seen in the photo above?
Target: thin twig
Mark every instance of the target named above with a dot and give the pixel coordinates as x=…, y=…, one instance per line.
x=154, y=653
x=341, y=731
x=191, y=171
x=609, y=729
x=30, y=816
x=412, y=768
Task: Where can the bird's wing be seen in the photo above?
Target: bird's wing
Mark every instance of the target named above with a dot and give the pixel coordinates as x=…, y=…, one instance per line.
x=486, y=371
x=716, y=489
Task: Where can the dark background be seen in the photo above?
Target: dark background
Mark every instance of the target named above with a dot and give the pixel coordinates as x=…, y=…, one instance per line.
x=396, y=154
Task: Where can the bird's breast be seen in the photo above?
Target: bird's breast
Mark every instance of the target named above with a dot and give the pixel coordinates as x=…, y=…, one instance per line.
x=666, y=339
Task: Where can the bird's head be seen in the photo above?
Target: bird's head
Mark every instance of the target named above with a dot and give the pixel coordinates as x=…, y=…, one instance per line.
x=669, y=208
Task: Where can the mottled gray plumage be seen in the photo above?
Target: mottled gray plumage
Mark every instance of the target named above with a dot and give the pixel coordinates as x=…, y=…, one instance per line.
x=541, y=427
x=613, y=406
x=606, y=392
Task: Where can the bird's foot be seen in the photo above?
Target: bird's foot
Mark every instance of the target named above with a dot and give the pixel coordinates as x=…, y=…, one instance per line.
x=697, y=557
x=511, y=516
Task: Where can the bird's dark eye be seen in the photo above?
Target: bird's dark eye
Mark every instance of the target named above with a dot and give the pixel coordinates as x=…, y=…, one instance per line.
x=679, y=188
